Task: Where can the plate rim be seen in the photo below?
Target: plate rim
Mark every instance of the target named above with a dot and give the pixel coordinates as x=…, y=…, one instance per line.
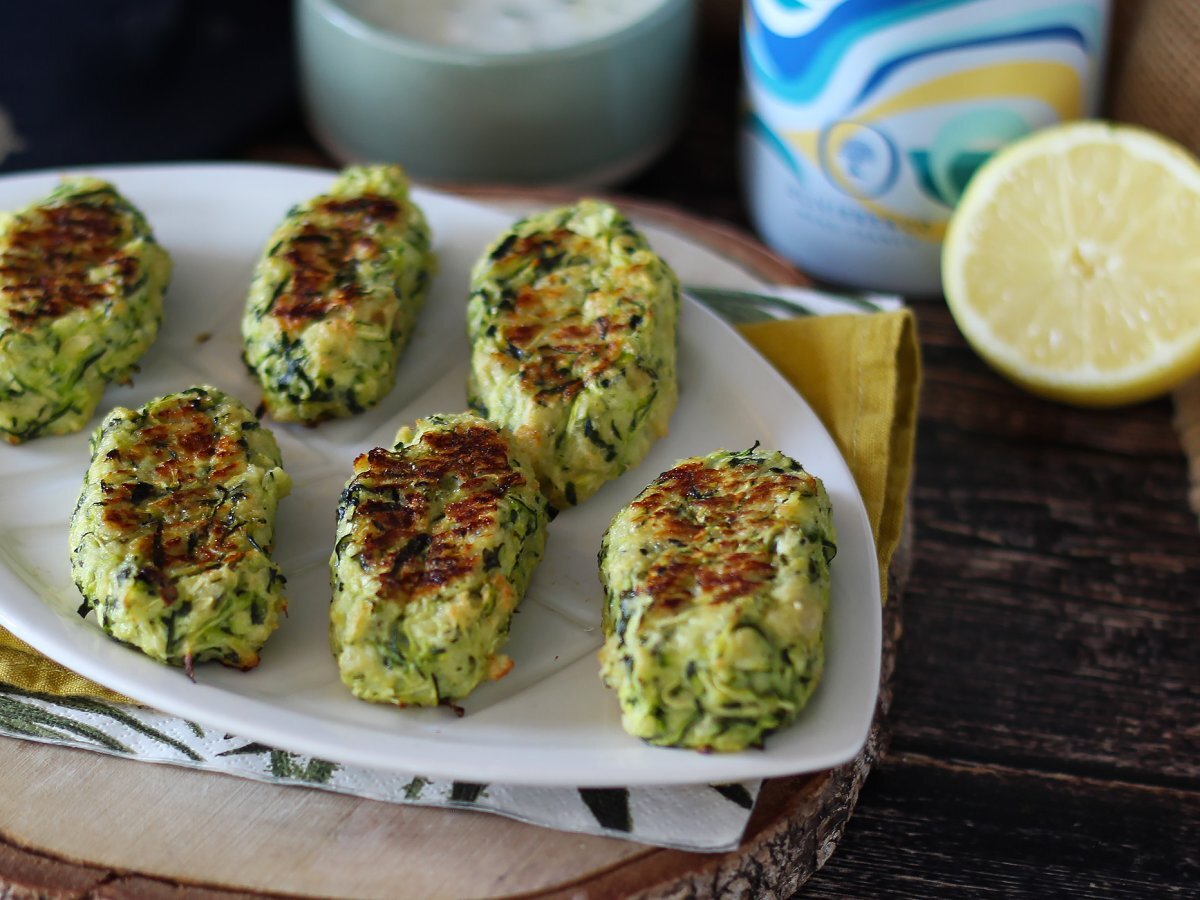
x=723, y=766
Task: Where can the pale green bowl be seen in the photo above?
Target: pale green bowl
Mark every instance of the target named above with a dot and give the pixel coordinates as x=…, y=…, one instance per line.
x=590, y=114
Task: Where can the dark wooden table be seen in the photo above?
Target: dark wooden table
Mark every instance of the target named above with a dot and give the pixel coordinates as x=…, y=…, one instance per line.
x=1045, y=732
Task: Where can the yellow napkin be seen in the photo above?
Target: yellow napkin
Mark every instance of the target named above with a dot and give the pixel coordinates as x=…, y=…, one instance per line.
x=861, y=375
x=23, y=667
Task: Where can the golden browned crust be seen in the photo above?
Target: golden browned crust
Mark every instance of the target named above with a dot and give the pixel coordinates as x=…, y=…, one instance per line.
x=700, y=516
x=556, y=351
x=50, y=253
x=398, y=540
x=320, y=253
x=153, y=496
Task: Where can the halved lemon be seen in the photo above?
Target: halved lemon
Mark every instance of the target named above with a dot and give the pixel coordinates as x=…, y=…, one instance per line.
x=1072, y=263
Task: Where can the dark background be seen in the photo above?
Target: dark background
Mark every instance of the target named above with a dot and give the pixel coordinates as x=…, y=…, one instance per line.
x=108, y=81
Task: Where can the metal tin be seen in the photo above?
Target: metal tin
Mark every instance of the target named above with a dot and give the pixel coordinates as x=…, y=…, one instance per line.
x=866, y=118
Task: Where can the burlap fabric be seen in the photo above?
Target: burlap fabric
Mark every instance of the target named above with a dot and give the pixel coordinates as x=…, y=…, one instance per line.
x=1154, y=80
x=1155, y=67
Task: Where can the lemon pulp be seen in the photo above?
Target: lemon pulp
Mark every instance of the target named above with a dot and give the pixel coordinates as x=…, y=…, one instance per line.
x=1072, y=263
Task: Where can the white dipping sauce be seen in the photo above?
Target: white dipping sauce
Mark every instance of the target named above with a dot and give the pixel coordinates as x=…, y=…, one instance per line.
x=502, y=26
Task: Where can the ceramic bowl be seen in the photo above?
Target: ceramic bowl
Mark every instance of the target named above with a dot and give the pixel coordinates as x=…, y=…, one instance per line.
x=591, y=113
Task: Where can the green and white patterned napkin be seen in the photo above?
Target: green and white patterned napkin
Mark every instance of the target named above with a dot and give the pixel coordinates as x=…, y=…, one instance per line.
x=706, y=817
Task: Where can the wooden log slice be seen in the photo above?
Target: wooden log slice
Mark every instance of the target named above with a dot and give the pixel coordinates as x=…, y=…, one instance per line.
x=77, y=824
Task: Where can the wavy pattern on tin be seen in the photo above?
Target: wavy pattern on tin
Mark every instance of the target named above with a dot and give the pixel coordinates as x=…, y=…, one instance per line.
x=898, y=102
x=799, y=49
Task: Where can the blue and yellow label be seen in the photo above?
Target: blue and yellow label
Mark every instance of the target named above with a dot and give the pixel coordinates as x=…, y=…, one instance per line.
x=873, y=114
